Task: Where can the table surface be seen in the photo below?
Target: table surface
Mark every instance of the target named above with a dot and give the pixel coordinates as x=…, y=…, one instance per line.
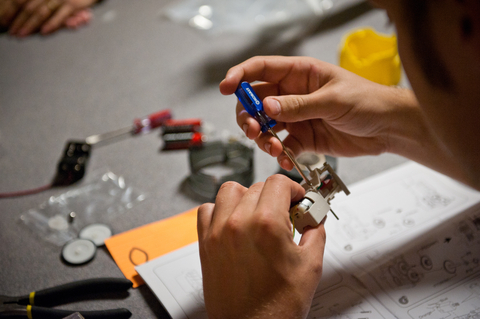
x=130, y=61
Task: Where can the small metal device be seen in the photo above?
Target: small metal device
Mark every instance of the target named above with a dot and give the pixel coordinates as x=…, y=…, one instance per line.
x=313, y=208
x=321, y=185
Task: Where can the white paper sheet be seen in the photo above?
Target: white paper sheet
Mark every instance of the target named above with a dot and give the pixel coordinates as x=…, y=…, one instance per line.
x=407, y=245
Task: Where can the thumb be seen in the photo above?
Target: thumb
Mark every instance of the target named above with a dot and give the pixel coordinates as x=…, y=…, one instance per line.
x=293, y=108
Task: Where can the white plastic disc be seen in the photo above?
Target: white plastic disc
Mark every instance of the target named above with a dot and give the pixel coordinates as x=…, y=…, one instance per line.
x=58, y=222
x=96, y=233
x=79, y=251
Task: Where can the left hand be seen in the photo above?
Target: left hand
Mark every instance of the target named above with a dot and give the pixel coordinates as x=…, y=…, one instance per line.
x=27, y=16
x=251, y=266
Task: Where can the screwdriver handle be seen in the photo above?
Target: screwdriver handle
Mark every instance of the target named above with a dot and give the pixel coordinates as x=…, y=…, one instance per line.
x=254, y=106
x=148, y=123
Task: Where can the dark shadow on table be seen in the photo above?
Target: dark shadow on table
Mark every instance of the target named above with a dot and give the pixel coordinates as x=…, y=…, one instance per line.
x=270, y=42
x=153, y=302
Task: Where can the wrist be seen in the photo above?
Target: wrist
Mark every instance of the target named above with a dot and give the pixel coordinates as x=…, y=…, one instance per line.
x=412, y=136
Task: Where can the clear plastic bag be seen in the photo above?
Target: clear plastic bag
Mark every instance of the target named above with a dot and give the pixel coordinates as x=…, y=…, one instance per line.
x=246, y=16
x=107, y=196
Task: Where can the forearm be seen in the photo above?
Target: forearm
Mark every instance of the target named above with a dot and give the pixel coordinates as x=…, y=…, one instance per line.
x=411, y=136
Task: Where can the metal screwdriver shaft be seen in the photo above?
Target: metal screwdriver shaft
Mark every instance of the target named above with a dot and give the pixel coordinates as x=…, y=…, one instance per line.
x=292, y=159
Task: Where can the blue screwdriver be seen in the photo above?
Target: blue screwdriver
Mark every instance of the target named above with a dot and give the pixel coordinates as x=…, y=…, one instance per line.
x=254, y=106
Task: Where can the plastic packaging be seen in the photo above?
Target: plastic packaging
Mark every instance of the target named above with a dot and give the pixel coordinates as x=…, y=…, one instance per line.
x=61, y=218
x=216, y=16
x=371, y=55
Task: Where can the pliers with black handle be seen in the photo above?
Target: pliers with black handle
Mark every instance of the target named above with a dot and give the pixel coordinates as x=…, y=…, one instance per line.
x=34, y=305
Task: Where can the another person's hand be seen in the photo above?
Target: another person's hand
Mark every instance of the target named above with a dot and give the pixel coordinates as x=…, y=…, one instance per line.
x=324, y=108
x=23, y=17
x=251, y=266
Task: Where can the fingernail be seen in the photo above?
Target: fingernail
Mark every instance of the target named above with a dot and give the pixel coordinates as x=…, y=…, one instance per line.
x=268, y=146
x=245, y=128
x=284, y=162
x=275, y=107
x=22, y=32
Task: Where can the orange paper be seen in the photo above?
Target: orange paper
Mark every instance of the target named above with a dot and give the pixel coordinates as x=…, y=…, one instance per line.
x=139, y=245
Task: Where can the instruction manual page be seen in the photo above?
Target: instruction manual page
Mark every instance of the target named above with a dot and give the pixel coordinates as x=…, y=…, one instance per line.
x=407, y=245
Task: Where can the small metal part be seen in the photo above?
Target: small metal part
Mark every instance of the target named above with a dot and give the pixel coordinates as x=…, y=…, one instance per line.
x=292, y=159
x=71, y=217
x=334, y=214
x=217, y=162
x=97, y=233
x=79, y=251
x=140, y=125
x=95, y=139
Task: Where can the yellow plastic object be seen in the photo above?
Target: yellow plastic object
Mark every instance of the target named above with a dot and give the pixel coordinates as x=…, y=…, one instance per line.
x=371, y=55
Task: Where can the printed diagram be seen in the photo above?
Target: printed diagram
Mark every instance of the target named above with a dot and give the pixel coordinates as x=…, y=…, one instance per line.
x=372, y=216
x=446, y=256
x=330, y=275
x=183, y=276
x=342, y=303
x=191, y=283
x=462, y=302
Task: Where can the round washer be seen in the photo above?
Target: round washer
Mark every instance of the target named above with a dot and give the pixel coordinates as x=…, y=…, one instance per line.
x=58, y=222
x=78, y=251
x=96, y=233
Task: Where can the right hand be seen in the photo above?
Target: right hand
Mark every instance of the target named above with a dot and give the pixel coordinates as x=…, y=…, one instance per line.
x=324, y=108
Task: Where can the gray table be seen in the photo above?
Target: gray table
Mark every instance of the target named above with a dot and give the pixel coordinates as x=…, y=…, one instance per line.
x=128, y=62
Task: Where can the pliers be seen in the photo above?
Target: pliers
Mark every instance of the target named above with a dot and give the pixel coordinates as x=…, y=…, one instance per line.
x=33, y=305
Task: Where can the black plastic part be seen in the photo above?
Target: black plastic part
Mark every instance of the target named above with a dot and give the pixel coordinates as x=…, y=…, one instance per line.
x=72, y=165
x=77, y=290
x=47, y=313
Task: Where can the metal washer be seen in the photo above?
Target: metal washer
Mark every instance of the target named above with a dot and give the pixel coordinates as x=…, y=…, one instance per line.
x=79, y=251
x=96, y=233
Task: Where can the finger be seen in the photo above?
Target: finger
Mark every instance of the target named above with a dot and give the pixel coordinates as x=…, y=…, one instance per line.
x=28, y=9
x=283, y=159
x=18, y=22
x=34, y=22
x=278, y=194
x=247, y=123
x=247, y=205
x=263, y=68
x=204, y=219
x=78, y=19
x=57, y=19
x=295, y=108
x=313, y=240
x=8, y=10
x=228, y=197
x=269, y=144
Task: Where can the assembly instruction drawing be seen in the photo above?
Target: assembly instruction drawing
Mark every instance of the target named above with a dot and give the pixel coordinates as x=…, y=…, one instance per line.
x=407, y=245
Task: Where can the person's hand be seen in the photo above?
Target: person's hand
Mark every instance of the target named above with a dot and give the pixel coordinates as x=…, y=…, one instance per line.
x=24, y=17
x=251, y=266
x=324, y=108
x=8, y=10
